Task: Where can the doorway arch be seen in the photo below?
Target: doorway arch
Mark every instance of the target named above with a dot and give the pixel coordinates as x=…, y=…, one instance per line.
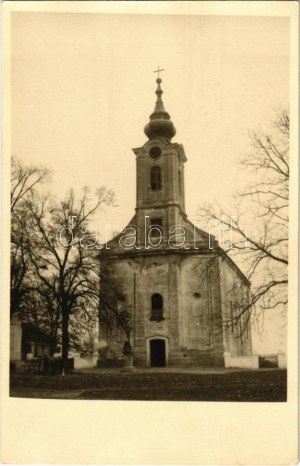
x=157, y=352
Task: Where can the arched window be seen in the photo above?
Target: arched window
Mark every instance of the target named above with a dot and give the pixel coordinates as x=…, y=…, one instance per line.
x=156, y=227
x=155, y=178
x=157, y=307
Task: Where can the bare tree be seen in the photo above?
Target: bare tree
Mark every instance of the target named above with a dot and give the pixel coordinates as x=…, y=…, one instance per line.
x=63, y=251
x=83, y=332
x=42, y=310
x=258, y=222
x=24, y=182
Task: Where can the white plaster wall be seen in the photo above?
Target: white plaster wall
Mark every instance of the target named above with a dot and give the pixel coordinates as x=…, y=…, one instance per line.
x=234, y=345
x=200, y=316
x=15, y=340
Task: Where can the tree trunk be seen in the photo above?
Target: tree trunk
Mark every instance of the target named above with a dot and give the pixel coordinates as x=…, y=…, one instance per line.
x=65, y=339
x=53, y=336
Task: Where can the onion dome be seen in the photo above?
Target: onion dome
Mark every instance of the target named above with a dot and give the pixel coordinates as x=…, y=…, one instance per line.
x=160, y=124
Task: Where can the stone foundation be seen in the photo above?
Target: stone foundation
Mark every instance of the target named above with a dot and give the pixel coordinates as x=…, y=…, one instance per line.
x=180, y=359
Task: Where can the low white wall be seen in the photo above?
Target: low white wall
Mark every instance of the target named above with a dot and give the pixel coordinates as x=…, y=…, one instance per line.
x=282, y=361
x=246, y=362
x=85, y=362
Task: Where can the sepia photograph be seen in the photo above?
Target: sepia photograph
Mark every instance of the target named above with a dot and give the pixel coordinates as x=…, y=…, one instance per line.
x=149, y=167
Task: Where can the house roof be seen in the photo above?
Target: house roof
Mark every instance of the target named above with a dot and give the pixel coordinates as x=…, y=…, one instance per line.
x=32, y=332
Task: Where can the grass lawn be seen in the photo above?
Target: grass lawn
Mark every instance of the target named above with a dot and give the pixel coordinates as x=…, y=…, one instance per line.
x=258, y=385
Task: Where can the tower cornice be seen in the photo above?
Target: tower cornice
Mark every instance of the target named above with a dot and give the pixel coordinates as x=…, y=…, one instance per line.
x=167, y=146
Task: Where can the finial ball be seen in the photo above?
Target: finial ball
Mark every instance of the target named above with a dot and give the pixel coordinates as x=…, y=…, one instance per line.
x=158, y=80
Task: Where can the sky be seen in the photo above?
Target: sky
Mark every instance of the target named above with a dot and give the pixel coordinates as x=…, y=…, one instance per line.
x=83, y=88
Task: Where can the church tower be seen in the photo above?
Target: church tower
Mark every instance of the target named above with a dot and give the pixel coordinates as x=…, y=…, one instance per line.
x=164, y=286
x=160, y=176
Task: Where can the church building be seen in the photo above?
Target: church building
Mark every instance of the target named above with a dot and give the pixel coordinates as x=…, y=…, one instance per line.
x=181, y=294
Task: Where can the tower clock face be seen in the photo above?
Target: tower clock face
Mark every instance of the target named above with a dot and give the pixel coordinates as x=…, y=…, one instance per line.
x=155, y=152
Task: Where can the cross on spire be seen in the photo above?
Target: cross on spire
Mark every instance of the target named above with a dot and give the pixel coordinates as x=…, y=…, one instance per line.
x=158, y=71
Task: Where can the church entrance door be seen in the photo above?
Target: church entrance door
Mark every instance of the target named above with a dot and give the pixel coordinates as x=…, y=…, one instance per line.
x=157, y=353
